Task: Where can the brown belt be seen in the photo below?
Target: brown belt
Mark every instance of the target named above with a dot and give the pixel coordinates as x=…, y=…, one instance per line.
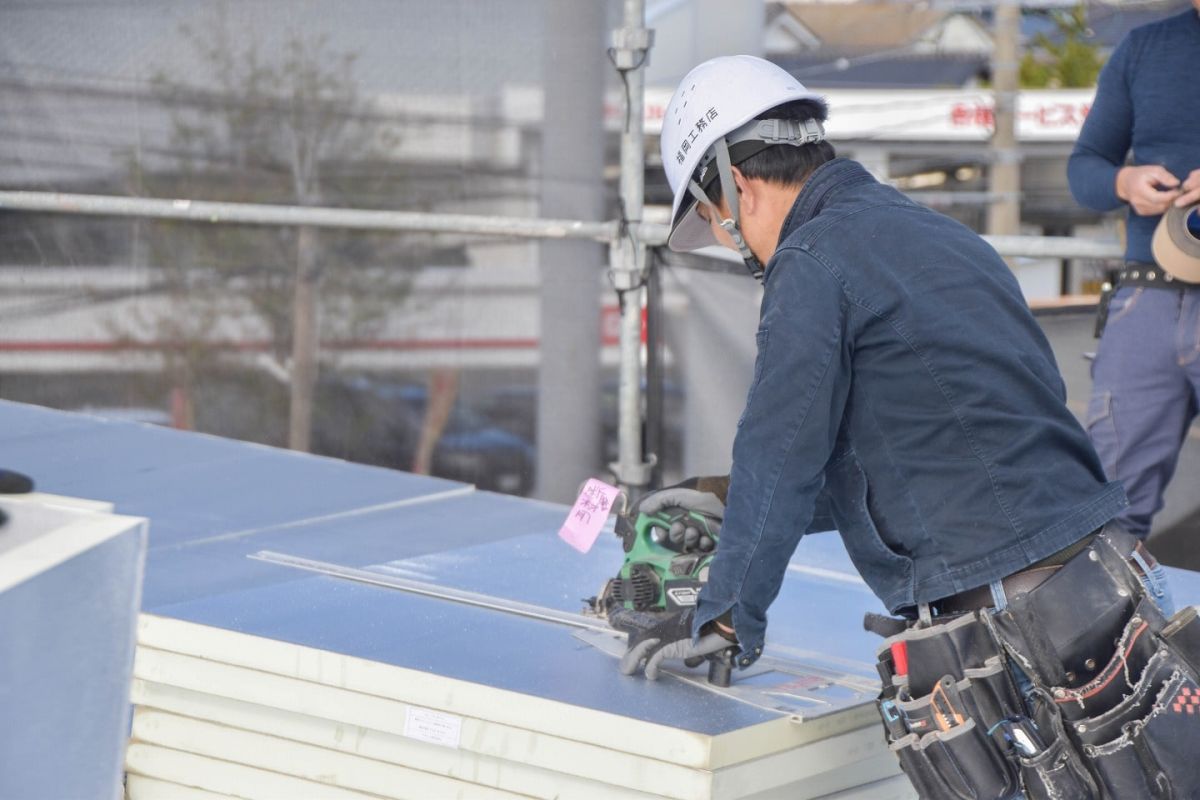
x=1018, y=583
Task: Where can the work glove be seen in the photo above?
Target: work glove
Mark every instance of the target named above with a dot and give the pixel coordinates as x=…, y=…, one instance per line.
x=653, y=638
x=702, y=495
x=706, y=495
x=688, y=499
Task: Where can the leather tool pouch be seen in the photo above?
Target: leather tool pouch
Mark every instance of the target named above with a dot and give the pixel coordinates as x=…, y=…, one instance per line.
x=940, y=713
x=1114, y=708
x=1058, y=771
x=1113, y=681
x=1135, y=647
x=1063, y=631
x=960, y=763
x=1153, y=753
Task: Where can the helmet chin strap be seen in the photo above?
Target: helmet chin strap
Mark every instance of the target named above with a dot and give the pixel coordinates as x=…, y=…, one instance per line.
x=729, y=190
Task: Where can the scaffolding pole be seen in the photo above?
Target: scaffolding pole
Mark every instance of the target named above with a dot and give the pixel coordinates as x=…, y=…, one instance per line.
x=311, y=216
x=647, y=234
x=631, y=48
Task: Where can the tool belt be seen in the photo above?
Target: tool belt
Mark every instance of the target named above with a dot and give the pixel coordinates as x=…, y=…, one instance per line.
x=1134, y=273
x=1138, y=273
x=1077, y=690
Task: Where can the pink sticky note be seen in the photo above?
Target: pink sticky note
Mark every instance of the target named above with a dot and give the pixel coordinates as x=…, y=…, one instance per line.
x=588, y=515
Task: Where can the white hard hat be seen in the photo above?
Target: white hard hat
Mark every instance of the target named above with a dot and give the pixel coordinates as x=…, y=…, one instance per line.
x=714, y=102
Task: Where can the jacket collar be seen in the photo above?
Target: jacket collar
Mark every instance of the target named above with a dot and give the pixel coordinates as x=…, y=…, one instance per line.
x=826, y=180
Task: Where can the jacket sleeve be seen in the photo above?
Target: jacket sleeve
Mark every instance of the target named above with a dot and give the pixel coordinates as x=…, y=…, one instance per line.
x=784, y=438
x=1105, y=138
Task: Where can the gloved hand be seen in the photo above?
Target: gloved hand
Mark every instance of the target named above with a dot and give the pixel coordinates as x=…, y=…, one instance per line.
x=676, y=497
x=702, y=495
x=669, y=637
x=706, y=495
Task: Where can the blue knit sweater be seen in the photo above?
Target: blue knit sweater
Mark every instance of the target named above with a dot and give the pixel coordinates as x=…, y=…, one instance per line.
x=1148, y=102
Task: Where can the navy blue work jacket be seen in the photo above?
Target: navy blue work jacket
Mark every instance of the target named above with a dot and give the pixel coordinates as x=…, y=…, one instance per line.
x=901, y=372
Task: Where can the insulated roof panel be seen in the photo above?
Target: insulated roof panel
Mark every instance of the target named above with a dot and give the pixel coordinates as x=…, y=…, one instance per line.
x=406, y=529
x=480, y=646
x=69, y=585
x=818, y=615
x=192, y=486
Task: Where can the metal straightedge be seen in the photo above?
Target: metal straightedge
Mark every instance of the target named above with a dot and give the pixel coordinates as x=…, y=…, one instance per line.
x=784, y=686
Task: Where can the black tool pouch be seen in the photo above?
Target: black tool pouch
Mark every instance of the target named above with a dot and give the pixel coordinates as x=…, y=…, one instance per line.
x=1058, y=771
x=1154, y=755
x=1114, y=708
x=1113, y=681
x=948, y=648
x=939, y=713
x=1117, y=680
x=1063, y=631
x=1143, y=738
x=960, y=763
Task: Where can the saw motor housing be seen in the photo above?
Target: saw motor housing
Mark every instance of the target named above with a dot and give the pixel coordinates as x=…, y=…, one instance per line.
x=667, y=555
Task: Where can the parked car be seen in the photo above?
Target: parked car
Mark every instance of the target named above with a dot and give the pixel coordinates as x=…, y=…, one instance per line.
x=514, y=408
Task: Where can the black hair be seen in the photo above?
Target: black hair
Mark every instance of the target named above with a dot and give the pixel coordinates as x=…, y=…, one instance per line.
x=782, y=164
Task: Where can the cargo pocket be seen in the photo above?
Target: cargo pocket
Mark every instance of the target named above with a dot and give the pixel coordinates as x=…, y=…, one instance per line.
x=1102, y=430
x=1123, y=302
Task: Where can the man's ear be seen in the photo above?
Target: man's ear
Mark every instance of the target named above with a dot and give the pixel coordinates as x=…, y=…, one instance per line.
x=748, y=195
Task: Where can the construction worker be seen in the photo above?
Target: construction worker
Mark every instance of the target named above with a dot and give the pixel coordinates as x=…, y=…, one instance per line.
x=901, y=378
x=1147, y=369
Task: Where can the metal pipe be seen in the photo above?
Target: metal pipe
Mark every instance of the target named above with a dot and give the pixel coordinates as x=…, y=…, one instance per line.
x=1055, y=247
x=317, y=217
x=631, y=46
x=647, y=234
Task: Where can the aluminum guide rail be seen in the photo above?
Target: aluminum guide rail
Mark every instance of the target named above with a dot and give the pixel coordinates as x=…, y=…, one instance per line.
x=433, y=590
x=773, y=684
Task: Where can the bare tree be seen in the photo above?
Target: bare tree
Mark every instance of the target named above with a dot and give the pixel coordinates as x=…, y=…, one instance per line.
x=268, y=127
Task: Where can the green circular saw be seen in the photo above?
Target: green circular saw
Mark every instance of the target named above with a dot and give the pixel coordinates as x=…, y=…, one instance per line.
x=666, y=561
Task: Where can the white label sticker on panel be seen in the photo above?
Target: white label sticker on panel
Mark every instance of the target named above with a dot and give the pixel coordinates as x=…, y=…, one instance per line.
x=434, y=727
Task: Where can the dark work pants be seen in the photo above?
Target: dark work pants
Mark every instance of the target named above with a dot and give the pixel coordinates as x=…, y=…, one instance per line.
x=1145, y=392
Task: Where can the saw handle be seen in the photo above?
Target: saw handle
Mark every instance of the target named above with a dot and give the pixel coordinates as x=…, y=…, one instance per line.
x=720, y=666
x=720, y=672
